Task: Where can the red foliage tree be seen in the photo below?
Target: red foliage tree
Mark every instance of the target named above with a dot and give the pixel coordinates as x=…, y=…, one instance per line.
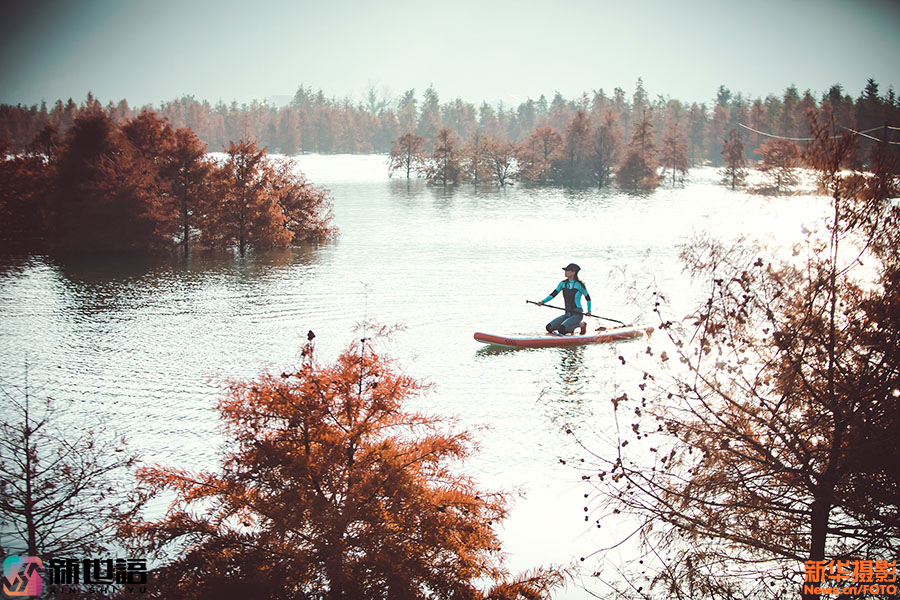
x=501, y=160
x=259, y=203
x=106, y=196
x=638, y=168
x=534, y=154
x=305, y=208
x=444, y=165
x=570, y=163
x=606, y=145
x=475, y=161
x=328, y=480
x=189, y=174
x=407, y=154
x=25, y=186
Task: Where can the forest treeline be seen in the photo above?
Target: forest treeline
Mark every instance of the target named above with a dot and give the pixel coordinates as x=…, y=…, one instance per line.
x=313, y=122
x=138, y=184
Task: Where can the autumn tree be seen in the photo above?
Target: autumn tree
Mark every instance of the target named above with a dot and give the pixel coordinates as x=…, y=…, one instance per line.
x=475, y=161
x=673, y=153
x=328, y=478
x=306, y=209
x=501, y=160
x=637, y=171
x=407, y=154
x=535, y=153
x=734, y=171
x=443, y=166
x=606, y=143
x=762, y=441
x=190, y=183
x=106, y=192
x=26, y=181
x=182, y=174
x=260, y=204
x=570, y=163
x=59, y=484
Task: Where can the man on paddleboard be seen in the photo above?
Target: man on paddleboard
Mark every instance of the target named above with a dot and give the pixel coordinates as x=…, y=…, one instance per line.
x=572, y=289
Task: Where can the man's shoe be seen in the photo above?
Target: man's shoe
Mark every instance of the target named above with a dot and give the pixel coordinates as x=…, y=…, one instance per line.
x=583, y=328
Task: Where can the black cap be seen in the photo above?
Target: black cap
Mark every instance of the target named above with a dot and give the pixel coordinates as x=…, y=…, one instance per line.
x=572, y=267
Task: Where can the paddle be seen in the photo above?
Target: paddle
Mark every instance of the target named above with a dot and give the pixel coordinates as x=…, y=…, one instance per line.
x=575, y=312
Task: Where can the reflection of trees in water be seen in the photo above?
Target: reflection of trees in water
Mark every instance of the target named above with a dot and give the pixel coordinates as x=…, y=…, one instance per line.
x=407, y=188
x=92, y=283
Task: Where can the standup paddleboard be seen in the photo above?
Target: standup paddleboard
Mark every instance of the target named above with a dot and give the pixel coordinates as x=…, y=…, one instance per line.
x=553, y=341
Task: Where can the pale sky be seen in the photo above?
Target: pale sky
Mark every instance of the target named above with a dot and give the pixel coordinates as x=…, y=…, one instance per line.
x=158, y=50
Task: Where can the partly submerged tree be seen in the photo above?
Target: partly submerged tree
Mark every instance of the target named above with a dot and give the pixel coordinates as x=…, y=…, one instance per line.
x=106, y=193
x=60, y=485
x=263, y=204
x=535, y=153
x=443, y=166
x=767, y=443
x=189, y=175
x=501, y=160
x=331, y=489
x=606, y=142
x=571, y=162
x=476, y=162
x=407, y=155
x=637, y=171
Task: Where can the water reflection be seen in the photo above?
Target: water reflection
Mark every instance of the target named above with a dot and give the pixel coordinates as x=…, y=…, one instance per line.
x=571, y=371
x=406, y=188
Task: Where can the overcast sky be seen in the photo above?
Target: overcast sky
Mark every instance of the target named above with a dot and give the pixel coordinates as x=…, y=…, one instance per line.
x=153, y=51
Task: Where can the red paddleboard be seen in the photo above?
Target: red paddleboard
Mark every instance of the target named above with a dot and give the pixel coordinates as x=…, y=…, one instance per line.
x=553, y=341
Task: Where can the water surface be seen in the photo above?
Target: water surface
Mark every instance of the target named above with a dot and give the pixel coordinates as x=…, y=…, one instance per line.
x=147, y=345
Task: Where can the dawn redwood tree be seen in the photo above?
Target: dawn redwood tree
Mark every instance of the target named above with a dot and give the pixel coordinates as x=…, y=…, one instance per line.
x=59, y=484
x=183, y=173
x=766, y=444
x=475, y=162
x=780, y=160
x=26, y=181
x=408, y=154
x=240, y=212
x=501, y=160
x=606, y=146
x=637, y=171
x=106, y=195
x=444, y=165
x=571, y=161
x=535, y=153
x=307, y=209
x=734, y=171
x=673, y=153
x=190, y=176
x=330, y=489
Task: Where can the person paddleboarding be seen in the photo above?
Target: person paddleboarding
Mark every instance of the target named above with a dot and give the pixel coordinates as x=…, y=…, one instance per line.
x=573, y=289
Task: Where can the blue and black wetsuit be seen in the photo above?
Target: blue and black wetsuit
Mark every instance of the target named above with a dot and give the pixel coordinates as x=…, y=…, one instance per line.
x=572, y=292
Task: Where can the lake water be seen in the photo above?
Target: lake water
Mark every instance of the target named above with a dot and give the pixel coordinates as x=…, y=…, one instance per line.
x=148, y=345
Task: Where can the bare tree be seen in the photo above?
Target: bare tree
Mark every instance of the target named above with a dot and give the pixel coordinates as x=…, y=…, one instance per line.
x=765, y=444
x=58, y=489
